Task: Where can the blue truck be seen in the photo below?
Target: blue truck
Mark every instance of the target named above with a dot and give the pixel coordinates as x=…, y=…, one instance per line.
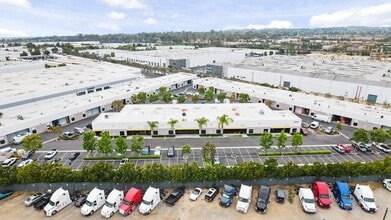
x=342, y=195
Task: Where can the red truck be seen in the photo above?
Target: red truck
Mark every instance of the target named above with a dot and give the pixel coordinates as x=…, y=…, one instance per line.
x=131, y=200
x=321, y=194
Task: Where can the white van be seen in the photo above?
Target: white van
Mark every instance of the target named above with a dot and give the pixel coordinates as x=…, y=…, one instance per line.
x=244, y=199
x=17, y=139
x=323, y=118
x=112, y=204
x=95, y=200
x=150, y=200
x=314, y=125
x=59, y=200
x=307, y=200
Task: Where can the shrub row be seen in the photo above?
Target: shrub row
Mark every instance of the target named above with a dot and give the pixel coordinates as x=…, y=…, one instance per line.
x=120, y=157
x=312, y=152
x=156, y=172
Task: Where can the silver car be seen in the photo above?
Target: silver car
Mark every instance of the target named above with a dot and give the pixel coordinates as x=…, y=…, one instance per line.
x=33, y=199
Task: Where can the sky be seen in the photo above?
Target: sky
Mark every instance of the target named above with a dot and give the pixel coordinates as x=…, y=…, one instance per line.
x=31, y=18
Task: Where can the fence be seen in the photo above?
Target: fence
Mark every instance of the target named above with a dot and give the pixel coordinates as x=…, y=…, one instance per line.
x=86, y=186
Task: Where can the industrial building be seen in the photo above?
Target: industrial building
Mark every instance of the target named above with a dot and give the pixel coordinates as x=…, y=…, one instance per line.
x=247, y=118
x=34, y=98
x=355, y=114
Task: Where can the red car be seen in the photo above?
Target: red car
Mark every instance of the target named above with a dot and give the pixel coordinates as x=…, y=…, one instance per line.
x=303, y=131
x=345, y=147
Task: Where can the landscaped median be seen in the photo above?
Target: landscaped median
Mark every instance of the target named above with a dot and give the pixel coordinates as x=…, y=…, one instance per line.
x=121, y=157
x=311, y=152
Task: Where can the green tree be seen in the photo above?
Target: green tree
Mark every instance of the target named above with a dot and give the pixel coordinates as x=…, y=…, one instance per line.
x=186, y=150
x=223, y=120
x=209, y=95
x=378, y=135
x=29, y=174
x=35, y=52
x=152, y=125
x=32, y=142
x=24, y=54
x=104, y=145
x=195, y=98
x=117, y=105
x=201, y=122
x=121, y=145
x=89, y=141
x=281, y=140
x=244, y=97
x=46, y=52
x=112, y=54
x=360, y=135
x=167, y=97
x=338, y=127
x=208, y=151
x=271, y=167
x=181, y=99
x=162, y=90
x=297, y=140
x=266, y=141
x=201, y=90
x=142, y=97
x=134, y=99
x=221, y=96
x=172, y=123
x=153, y=98
x=1, y=114
x=136, y=143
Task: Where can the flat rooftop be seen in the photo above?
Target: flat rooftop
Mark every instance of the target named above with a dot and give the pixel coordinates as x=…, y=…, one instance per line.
x=348, y=69
x=186, y=114
x=362, y=112
x=25, y=80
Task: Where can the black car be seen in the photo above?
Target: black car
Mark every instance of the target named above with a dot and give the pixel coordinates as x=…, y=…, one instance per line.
x=79, y=202
x=263, y=199
x=174, y=196
x=146, y=150
x=280, y=195
x=227, y=196
x=27, y=155
x=74, y=156
x=42, y=203
x=211, y=194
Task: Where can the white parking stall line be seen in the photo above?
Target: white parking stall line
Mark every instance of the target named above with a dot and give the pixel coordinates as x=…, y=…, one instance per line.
x=337, y=157
x=249, y=155
x=78, y=167
x=226, y=158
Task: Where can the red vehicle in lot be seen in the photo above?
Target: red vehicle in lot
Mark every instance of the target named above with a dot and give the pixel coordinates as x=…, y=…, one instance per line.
x=130, y=202
x=345, y=147
x=304, y=131
x=321, y=194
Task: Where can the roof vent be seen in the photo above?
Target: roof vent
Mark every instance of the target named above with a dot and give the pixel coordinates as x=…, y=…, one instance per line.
x=261, y=112
x=19, y=117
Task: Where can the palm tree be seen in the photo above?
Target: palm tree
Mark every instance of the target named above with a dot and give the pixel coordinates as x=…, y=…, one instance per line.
x=152, y=125
x=172, y=123
x=201, y=122
x=223, y=120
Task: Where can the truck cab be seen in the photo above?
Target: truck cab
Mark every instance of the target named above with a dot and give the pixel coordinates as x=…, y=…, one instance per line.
x=150, y=200
x=113, y=201
x=342, y=195
x=59, y=200
x=130, y=202
x=307, y=200
x=244, y=199
x=227, y=195
x=364, y=197
x=321, y=194
x=95, y=200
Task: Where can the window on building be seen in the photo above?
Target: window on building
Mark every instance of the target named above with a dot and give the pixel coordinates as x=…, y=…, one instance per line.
x=218, y=131
x=155, y=132
x=84, y=115
x=266, y=130
x=277, y=105
x=72, y=119
x=122, y=133
x=203, y=131
x=294, y=130
x=355, y=123
x=170, y=132
x=250, y=131
x=2, y=141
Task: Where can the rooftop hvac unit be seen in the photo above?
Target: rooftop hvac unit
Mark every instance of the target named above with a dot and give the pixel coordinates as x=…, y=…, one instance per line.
x=261, y=112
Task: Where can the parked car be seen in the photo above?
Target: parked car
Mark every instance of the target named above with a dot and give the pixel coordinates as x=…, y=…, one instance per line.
x=216, y=160
x=171, y=151
x=78, y=130
x=146, y=150
x=383, y=147
x=280, y=195
x=5, y=194
x=195, y=194
x=364, y=197
x=73, y=156
x=174, y=196
x=27, y=155
x=227, y=195
x=158, y=150
x=50, y=154
x=263, y=199
x=387, y=184
x=123, y=161
x=304, y=131
x=305, y=125
x=68, y=135
x=79, y=202
x=314, y=125
x=31, y=200
x=25, y=162
x=321, y=194
x=328, y=130
x=9, y=162
x=39, y=205
x=345, y=147
x=341, y=193
x=211, y=194
x=359, y=147
x=339, y=149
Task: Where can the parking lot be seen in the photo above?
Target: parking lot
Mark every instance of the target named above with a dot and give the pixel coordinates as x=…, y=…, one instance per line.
x=12, y=208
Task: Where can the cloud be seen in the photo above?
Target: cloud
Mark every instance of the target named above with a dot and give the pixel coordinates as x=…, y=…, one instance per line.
x=111, y=27
x=116, y=15
x=4, y=32
x=16, y=3
x=149, y=21
x=273, y=24
x=174, y=15
x=376, y=15
x=128, y=4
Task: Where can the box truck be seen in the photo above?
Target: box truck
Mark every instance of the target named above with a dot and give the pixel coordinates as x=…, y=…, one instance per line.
x=59, y=200
x=95, y=200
